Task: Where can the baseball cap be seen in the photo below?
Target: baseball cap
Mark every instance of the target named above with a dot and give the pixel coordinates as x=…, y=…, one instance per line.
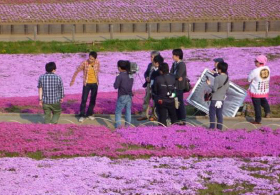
x=261, y=59
x=218, y=60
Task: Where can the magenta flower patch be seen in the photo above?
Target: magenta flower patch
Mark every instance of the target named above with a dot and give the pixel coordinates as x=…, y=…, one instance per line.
x=137, y=11
x=186, y=141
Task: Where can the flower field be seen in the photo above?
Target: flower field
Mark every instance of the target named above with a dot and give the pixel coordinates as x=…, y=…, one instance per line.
x=71, y=140
x=20, y=74
x=22, y=11
x=86, y=159
x=101, y=175
x=253, y=166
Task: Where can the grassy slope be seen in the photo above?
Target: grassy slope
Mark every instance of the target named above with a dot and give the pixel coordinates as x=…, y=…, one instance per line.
x=31, y=47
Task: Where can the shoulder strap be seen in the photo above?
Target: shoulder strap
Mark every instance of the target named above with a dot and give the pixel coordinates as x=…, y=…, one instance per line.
x=223, y=84
x=165, y=82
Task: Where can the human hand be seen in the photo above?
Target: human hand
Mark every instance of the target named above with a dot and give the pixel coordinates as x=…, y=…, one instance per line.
x=180, y=79
x=61, y=101
x=71, y=83
x=208, y=82
x=148, y=79
x=40, y=103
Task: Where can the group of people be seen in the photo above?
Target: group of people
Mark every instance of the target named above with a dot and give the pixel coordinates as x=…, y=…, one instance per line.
x=164, y=86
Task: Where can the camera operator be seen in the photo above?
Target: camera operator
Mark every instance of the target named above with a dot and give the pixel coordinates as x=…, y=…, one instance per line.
x=164, y=90
x=123, y=83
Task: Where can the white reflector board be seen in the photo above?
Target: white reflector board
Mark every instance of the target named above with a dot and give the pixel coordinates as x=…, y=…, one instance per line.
x=235, y=95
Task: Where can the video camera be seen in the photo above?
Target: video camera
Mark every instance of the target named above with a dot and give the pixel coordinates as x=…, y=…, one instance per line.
x=133, y=68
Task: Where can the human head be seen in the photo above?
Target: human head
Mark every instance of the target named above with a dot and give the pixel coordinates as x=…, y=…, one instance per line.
x=92, y=56
x=260, y=60
x=163, y=68
x=123, y=65
x=177, y=54
x=153, y=54
x=50, y=67
x=158, y=60
x=222, y=67
x=217, y=60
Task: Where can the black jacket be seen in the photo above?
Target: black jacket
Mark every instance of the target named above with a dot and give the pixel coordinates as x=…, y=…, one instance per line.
x=160, y=88
x=147, y=74
x=179, y=71
x=155, y=74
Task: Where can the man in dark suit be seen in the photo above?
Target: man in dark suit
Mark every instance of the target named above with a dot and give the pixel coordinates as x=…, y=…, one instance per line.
x=180, y=72
x=147, y=85
x=155, y=73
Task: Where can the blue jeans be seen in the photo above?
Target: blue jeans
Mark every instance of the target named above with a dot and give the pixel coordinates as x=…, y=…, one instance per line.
x=213, y=112
x=124, y=101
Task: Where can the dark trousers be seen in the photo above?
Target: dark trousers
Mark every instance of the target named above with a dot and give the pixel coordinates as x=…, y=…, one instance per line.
x=216, y=112
x=258, y=103
x=164, y=109
x=86, y=89
x=181, y=111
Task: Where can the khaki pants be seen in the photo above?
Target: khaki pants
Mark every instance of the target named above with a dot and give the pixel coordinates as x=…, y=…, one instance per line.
x=146, y=103
x=50, y=109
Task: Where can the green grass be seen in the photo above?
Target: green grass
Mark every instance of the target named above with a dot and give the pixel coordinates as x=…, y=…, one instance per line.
x=219, y=189
x=8, y=154
x=13, y=109
x=127, y=147
x=262, y=176
x=35, y=155
x=38, y=155
x=16, y=109
x=36, y=47
x=254, y=168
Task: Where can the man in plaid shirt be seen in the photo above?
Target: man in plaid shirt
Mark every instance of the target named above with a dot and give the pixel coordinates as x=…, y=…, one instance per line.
x=51, y=93
x=90, y=69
